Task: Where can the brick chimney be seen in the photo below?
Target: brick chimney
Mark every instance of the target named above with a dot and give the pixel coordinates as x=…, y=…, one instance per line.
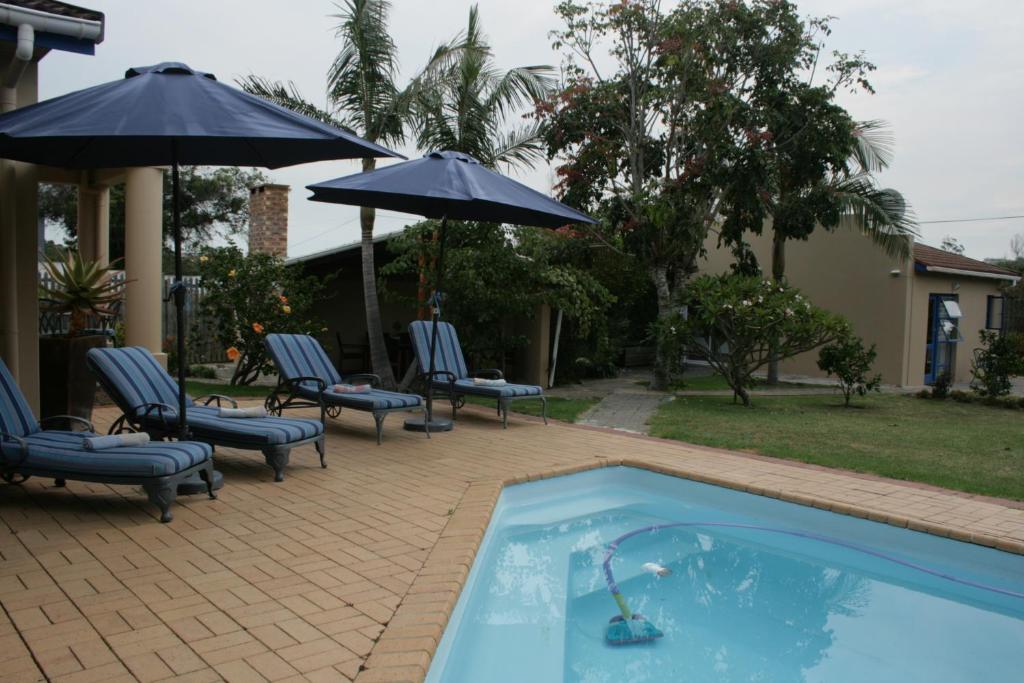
x=268, y=220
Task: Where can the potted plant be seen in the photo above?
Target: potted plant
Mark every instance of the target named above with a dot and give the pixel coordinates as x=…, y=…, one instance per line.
x=79, y=289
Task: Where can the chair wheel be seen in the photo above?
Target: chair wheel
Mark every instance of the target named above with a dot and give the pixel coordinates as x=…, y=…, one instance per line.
x=333, y=411
x=272, y=405
x=15, y=478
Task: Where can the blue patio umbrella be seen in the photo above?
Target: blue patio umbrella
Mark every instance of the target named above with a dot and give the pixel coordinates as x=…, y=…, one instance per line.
x=447, y=185
x=169, y=114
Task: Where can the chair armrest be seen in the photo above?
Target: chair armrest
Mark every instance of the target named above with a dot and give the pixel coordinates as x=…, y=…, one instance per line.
x=294, y=382
x=373, y=380
x=493, y=373
x=160, y=407
x=451, y=375
x=22, y=445
x=89, y=426
x=210, y=398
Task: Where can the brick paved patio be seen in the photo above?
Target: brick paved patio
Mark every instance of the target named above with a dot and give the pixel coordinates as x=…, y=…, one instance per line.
x=347, y=573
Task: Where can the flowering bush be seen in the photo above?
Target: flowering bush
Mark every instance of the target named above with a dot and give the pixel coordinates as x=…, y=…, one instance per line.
x=738, y=322
x=250, y=296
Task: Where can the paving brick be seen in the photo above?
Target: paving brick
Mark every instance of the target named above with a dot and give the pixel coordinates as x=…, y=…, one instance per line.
x=358, y=565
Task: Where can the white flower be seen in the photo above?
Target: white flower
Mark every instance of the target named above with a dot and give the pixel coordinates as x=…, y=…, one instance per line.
x=789, y=312
x=745, y=302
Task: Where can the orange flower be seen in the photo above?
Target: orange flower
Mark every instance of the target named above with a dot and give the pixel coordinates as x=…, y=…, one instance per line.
x=233, y=354
x=257, y=328
x=283, y=298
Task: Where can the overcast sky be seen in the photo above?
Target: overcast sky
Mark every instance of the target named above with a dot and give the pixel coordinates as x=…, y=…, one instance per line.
x=949, y=82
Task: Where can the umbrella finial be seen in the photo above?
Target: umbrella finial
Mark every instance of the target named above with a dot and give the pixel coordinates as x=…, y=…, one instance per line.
x=167, y=68
x=448, y=154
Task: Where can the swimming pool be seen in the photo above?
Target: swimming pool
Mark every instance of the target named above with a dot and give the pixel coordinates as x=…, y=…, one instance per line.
x=758, y=589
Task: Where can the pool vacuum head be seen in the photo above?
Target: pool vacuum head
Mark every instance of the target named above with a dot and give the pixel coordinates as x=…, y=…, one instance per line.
x=637, y=629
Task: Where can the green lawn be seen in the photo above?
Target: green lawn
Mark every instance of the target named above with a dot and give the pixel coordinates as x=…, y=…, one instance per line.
x=205, y=388
x=717, y=383
x=564, y=409
x=972, y=448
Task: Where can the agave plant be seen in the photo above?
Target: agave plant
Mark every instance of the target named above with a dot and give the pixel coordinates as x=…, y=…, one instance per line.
x=81, y=288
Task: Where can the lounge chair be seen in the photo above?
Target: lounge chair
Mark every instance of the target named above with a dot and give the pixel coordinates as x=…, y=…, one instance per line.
x=453, y=379
x=307, y=377
x=148, y=399
x=28, y=449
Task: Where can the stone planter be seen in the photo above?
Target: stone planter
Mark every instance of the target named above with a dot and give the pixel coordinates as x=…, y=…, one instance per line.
x=66, y=386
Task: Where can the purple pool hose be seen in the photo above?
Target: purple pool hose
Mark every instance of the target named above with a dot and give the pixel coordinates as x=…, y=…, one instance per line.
x=613, y=546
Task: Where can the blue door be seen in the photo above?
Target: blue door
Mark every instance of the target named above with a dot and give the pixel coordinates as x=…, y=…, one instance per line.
x=943, y=336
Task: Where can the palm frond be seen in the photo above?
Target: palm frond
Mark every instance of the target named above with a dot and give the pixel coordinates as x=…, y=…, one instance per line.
x=360, y=81
x=287, y=96
x=520, y=87
x=522, y=147
x=883, y=214
x=874, y=151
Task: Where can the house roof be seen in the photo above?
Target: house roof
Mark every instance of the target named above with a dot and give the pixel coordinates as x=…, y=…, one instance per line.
x=62, y=9
x=936, y=260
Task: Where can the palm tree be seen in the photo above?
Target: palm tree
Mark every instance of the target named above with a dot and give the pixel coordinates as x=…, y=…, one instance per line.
x=458, y=101
x=363, y=97
x=882, y=214
x=470, y=108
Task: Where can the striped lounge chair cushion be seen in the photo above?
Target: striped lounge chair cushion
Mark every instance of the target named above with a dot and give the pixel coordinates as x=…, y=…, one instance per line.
x=447, y=353
x=258, y=432
x=134, y=378
x=448, y=356
x=300, y=355
x=466, y=386
x=375, y=399
x=15, y=414
x=63, y=452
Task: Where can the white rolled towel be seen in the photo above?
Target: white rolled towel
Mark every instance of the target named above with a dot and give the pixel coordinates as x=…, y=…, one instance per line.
x=351, y=388
x=242, y=413
x=484, y=382
x=100, y=443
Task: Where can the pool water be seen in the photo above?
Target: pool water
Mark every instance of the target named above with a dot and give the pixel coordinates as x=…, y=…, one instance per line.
x=808, y=596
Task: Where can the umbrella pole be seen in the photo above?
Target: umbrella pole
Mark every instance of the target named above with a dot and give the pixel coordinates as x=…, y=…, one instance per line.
x=179, y=296
x=428, y=423
x=193, y=484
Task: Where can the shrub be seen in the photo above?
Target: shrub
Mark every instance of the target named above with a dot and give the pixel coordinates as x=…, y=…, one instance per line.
x=851, y=363
x=739, y=323
x=940, y=389
x=250, y=296
x=993, y=364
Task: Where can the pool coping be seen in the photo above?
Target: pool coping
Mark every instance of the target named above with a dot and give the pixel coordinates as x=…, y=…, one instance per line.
x=404, y=651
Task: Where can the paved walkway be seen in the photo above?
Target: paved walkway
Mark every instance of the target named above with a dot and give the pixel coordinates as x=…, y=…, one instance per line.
x=628, y=411
x=348, y=572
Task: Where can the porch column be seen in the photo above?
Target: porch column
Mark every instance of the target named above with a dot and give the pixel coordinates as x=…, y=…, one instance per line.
x=94, y=222
x=27, y=276
x=143, y=218
x=8, y=268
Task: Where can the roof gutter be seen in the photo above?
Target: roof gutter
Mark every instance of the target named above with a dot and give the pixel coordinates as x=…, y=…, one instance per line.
x=972, y=273
x=44, y=22
x=29, y=22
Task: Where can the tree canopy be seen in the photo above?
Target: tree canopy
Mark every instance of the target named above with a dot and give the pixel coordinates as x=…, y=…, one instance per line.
x=214, y=202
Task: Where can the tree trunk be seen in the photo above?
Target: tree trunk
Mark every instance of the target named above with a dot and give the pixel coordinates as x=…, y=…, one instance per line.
x=374, y=328
x=662, y=374
x=778, y=275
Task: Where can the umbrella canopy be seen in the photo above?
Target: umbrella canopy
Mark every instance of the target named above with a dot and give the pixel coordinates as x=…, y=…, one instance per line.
x=448, y=185
x=160, y=114
x=170, y=114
